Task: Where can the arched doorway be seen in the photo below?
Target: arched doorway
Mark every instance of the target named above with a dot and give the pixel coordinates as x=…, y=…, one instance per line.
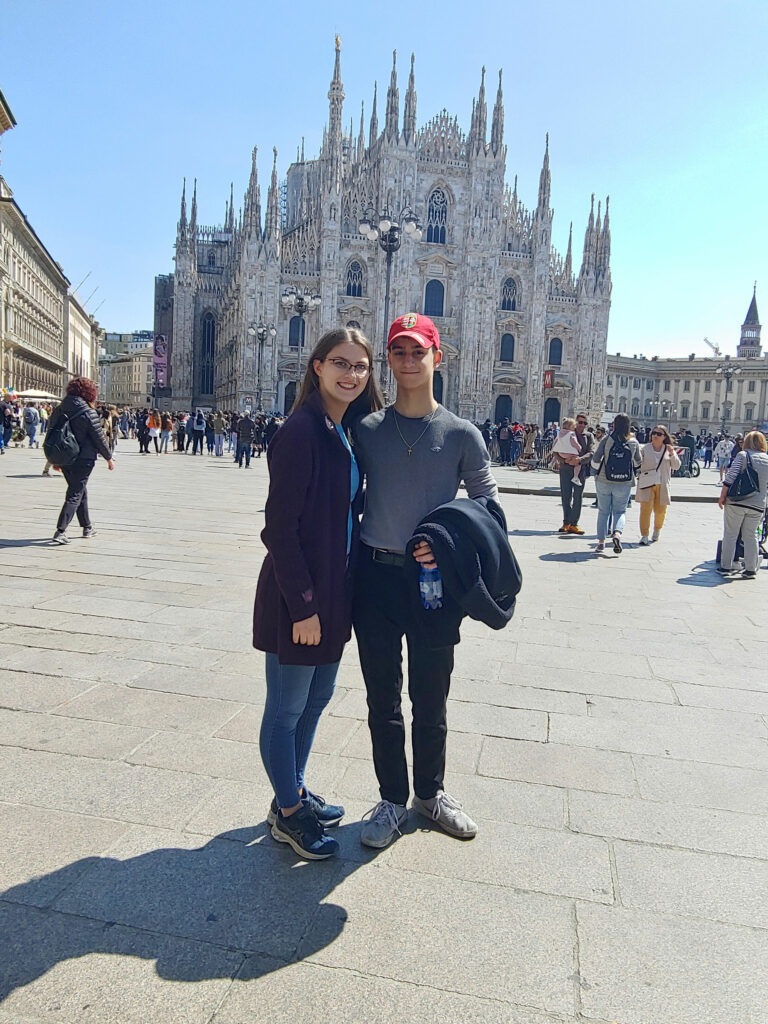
x=290, y=396
x=503, y=408
x=551, y=411
x=437, y=386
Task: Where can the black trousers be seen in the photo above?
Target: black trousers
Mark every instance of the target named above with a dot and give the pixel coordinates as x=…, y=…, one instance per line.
x=570, y=496
x=381, y=618
x=76, y=501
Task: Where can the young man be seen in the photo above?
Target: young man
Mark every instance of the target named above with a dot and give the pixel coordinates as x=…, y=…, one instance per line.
x=414, y=455
x=571, y=496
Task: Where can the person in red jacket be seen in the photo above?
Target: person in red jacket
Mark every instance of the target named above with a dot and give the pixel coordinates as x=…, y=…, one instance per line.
x=303, y=609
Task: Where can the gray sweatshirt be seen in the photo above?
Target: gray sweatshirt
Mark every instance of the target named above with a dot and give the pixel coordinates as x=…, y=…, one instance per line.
x=401, y=488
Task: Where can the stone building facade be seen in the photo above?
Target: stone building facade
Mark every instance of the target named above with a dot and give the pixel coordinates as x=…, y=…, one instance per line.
x=690, y=393
x=507, y=305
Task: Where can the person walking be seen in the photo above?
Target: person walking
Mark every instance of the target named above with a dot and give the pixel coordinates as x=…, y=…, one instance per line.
x=615, y=464
x=85, y=424
x=414, y=455
x=246, y=431
x=209, y=433
x=505, y=442
x=181, y=432
x=722, y=455
x=219, y=429
x=166, y=429
x=198, y=432
x=708, y=446
x=302, y=611
x=571, y=497
x=31, y=421
x=658, y=461
x=743, y=516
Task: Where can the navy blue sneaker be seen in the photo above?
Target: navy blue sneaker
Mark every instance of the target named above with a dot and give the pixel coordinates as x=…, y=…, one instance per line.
x=327, y=814
x=305, y=834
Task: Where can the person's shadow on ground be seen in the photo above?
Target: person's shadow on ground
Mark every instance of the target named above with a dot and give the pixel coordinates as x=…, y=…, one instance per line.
x=229, y=907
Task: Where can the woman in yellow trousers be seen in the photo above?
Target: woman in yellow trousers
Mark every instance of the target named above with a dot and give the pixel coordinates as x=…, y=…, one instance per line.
x=654, y=494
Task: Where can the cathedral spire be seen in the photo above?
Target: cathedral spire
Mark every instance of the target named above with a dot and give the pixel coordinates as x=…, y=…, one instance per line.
x=568, y=269
x=373, y=131
x=605, y=241
x=253, y=199
x=497, y=127
x=182, y=228
x=409, y=113
x=482, y=116
x=392, y=127
x=272, y=221
x=361, y=136
x=587, y=260
x=335, y=133
x=193, y=215
x=545, y=180
x=230, y=222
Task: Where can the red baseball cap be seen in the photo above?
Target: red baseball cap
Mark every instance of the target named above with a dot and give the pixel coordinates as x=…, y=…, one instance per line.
x=416, y=326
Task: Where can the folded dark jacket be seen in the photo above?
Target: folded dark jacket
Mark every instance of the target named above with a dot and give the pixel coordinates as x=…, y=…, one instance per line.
x=481, y=576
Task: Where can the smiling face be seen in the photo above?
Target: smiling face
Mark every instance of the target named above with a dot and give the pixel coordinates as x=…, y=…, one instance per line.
x=343, y=374
x=413, y=365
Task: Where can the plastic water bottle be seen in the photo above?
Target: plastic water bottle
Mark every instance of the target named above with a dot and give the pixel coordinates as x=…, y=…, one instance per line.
x=431, y=588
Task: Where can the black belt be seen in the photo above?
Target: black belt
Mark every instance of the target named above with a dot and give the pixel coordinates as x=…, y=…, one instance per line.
x=387, y=557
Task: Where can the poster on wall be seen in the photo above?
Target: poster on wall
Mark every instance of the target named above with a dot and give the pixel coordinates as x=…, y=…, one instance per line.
x=160, y=360
x=549, y=378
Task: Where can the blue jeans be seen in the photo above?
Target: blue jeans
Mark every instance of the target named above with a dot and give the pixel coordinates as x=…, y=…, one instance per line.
x=612, y=501
x=219, y=443
x=31, y=434
x=243, y=450
x=296, y=697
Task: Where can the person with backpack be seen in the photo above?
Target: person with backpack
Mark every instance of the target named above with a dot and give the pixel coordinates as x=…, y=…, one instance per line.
x=615, y=464
x=198, y=432
x=31, y=419
x=743, y=498
x=73, y=442
x=166, y=429
x=505, y=442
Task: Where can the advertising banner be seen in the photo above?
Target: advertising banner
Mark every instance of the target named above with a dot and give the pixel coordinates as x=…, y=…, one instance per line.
x=549, y=378
x=160, y=360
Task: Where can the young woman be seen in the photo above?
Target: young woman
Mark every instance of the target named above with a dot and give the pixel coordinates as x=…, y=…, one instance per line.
x=743, y=516
x=612, y=494
x=302, y=613
x=659, y=460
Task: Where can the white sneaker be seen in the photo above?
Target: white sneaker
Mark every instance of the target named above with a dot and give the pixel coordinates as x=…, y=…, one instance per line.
x=645, y=540
x=655, y=535
x=382, y=823
x=446, y=812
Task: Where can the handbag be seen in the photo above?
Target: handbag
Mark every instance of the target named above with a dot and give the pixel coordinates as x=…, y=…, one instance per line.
x=649, y=478
x=746, y=482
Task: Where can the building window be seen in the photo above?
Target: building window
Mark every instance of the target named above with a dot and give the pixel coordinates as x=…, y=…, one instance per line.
x=705, y=411
x=555, y=352
x=354, y=279
x=622, y=404
x=623, y=381
x=211, y=258
x=707, y=385
x=609, y=403
x=647, y=408
x=649, y=385
x=751, y=385
x=509, y=294
x=667, y=385
x=208, y=354
x=437, y=216
x=686, y=385
x=609, y=381
x=507, y=348
x=684, y=411
x=434, y=297
x=636, y=383
x=749, y=412
x=296, y=330
x=635, y=407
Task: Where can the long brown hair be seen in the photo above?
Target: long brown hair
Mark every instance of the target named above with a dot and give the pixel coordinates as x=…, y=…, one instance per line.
x=370, y=400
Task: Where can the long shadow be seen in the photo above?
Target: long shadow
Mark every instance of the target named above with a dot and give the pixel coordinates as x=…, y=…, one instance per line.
x=36, y=542
x=704, y=575
x=24, y=476
x=533, y=533
x=233, y=906
x=568, y=556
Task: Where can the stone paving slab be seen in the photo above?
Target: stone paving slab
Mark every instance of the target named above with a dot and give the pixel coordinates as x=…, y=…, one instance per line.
x=619, y=872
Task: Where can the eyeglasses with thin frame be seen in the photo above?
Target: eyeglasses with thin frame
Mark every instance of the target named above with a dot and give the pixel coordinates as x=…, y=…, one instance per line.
x=359, y=369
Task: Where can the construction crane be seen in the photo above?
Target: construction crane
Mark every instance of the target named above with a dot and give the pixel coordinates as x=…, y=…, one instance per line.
x=715, y=348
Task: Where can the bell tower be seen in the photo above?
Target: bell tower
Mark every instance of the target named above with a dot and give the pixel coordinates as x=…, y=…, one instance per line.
x=749, y=342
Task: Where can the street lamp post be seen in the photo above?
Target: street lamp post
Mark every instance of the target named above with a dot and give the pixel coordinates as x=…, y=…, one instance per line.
x=261, y=331
x=387, y=232
x=301, y=302
x=728, y=372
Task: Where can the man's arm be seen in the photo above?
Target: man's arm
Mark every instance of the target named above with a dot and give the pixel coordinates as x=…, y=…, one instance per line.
x=589, y=451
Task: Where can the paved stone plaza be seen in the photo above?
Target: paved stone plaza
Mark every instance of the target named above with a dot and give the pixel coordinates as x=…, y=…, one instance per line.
x=612, y=744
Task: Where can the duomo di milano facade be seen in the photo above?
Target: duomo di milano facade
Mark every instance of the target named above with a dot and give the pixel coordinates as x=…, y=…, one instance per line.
x=508, y=307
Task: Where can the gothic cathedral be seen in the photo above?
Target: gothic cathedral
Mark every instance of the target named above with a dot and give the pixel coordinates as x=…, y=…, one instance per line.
x=523, y=336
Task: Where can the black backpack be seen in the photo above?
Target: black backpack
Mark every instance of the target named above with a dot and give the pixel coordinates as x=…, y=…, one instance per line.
x=747, y=482
x=619, y=467
x=61, y=447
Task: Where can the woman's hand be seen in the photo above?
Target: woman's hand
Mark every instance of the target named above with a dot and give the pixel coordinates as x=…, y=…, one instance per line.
x=723, y=498
x=307, y=631
x=423, y=555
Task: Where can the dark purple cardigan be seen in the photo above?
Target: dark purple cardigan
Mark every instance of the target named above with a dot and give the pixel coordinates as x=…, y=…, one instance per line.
x=305, y=571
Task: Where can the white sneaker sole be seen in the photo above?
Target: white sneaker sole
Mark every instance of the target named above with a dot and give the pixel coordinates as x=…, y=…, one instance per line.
x=281, y=837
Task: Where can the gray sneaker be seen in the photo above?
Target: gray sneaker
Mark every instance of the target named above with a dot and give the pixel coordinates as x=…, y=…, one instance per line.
x=60, y=538
x=382, y=823
x=447, y=813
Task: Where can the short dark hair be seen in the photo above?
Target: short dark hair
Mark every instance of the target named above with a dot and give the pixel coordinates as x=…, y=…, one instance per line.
x=621, y=425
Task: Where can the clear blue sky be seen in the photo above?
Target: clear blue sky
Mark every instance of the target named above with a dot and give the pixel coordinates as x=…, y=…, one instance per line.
x=663, y=106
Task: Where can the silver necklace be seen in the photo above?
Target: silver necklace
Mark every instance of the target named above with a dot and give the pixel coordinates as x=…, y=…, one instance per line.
x=410, y=447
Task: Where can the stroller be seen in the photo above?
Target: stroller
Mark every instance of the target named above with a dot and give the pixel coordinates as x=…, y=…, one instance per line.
x=762, y=542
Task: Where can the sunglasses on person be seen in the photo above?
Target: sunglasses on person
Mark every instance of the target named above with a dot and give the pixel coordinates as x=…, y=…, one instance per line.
x=658, y=433
x=582, y=423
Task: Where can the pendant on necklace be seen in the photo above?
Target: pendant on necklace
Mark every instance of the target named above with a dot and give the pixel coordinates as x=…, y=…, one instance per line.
x=410, y=450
